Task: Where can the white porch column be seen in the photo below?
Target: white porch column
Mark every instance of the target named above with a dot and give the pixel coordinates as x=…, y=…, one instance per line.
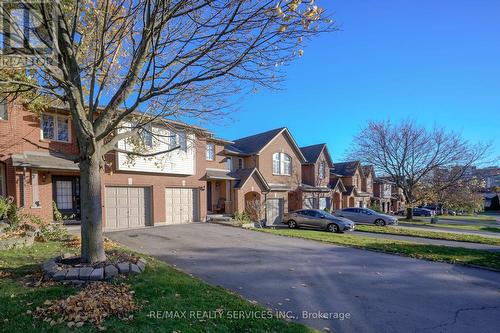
x=229, y=200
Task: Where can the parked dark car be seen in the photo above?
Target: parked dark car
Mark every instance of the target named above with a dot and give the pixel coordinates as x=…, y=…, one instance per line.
x=317, y=219
x=423, y=212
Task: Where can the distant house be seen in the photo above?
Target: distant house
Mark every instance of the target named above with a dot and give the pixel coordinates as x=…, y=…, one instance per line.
x=315, y=191
x=382, y=194
x=263, y=169
x=352, y=176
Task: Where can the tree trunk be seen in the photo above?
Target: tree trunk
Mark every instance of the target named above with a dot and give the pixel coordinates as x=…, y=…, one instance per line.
x=409, y=213
x=92, y=249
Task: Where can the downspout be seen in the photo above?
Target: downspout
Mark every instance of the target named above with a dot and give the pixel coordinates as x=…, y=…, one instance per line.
x=23, y=187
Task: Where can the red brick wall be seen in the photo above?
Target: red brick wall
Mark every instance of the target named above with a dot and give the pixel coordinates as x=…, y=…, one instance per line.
x=21, y=133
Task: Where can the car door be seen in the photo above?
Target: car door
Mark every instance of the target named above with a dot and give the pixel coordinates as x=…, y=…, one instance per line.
x=355, y=215
x=347, y=213
x=298, y=217
x=316, y=221
x=360, y=216
x=308, y=218
x=368, y=216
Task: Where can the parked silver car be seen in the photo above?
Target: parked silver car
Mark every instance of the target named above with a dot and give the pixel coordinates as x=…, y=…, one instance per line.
x=367, y=216
x=317, y=219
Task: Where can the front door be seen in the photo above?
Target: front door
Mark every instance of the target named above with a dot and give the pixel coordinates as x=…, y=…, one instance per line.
x=66, y=195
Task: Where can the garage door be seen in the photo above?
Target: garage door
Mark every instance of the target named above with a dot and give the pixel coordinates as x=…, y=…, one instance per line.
x=274, y=210
x=127, y=207
x=181, y=205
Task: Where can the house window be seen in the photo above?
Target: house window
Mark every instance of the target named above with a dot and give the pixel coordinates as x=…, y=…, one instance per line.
x=183, y=140
x=229, y=162
x=55, y=127
x=210, y=152
x=147, y=135
x=172, y=139
x=322, y=167
x=4, y=114
x=282, y=164
x=240, y=163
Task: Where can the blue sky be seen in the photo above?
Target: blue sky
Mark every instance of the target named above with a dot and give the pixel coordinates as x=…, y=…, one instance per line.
x=437, y=62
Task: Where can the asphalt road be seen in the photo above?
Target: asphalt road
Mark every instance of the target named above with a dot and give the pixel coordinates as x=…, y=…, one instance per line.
x=380, y=292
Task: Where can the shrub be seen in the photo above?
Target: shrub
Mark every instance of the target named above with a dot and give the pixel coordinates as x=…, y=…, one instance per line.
x=242, y=217
x=57, y=214
x=48, y=231
x=4, y=207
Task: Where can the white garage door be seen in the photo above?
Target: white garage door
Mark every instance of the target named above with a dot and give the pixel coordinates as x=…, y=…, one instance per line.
x=274, y=210
x=127, y=207
x=181, y=205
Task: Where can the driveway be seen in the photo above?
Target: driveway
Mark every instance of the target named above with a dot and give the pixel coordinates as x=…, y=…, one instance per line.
x=380, y=292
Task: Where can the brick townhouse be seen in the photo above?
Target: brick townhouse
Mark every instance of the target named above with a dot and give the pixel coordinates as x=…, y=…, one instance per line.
x=35, y=171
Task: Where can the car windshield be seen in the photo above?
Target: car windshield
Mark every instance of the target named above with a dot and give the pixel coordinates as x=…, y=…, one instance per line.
x=369, y=211
x=328, y=215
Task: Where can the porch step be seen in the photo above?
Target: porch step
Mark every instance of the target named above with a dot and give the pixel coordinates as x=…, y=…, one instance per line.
x=71, y=222
x=223, y=218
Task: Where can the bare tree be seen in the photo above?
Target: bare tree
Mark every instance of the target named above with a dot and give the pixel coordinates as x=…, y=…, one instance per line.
x=408, y=153
x=155, y=59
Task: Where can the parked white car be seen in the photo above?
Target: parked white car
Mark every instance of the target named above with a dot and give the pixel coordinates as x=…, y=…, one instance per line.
x=367, y=216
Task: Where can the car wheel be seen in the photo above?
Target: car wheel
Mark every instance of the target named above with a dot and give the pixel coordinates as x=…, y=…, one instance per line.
x=332, y=227
x=380, y=222
x=292, y=224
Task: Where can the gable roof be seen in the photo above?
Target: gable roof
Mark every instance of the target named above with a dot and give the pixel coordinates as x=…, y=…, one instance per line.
x=338, y=183
x=345, y=168
x=254, y=144
x=367, y=169
x=312, y=153
x=350, y=190
x=246, y=174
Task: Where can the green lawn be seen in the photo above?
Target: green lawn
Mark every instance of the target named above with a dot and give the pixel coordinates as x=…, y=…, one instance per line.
x=414, y=232
x=408, y=249
x=456, y=226
x=468, y=217
x=159, y=288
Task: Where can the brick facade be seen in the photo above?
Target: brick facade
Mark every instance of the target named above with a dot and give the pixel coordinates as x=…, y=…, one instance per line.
x=21, y=133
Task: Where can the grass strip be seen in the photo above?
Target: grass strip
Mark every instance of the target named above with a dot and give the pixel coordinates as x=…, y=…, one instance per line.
x=454, y=255
x=415, y=232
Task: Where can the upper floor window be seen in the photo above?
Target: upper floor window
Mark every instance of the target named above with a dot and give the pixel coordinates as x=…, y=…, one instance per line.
x=183, y=140
x=4, y=115
x=240, y=163
x=322, y=167
x=229, y=162
x=282, y=164
x=210, y=152
x=172, y=139
x=55, y=127
x=147, y=135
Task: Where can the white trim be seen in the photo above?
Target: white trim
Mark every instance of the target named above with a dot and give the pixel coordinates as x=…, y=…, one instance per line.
x=216, y=169
x=35, y=193
x=206, y=151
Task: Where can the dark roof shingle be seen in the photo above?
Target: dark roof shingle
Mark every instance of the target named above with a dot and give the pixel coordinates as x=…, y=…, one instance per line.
x=311, y=153
x=254, y=143
x=345, y=168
